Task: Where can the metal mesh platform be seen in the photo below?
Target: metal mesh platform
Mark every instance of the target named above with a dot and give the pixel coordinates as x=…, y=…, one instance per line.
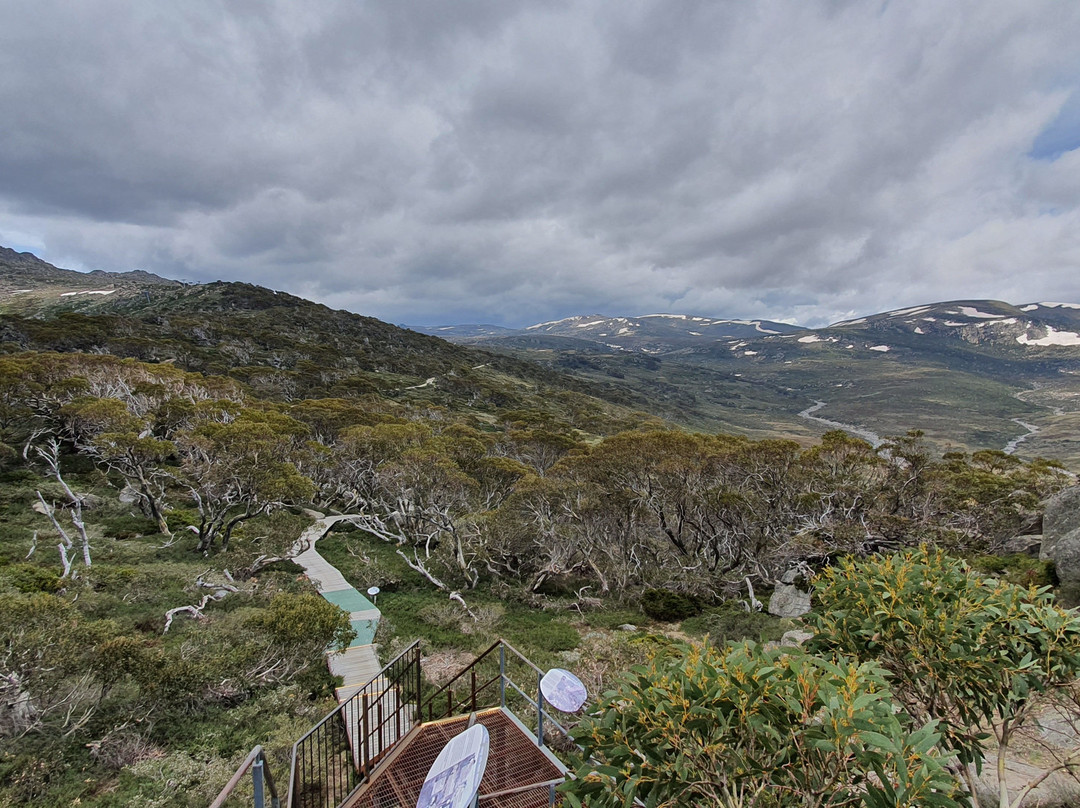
x=519, y=774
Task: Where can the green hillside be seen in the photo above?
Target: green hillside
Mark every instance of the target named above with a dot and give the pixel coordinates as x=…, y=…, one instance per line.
x=163, y=446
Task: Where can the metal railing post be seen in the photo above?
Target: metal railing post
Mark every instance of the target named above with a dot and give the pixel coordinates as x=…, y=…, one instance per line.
x=257, y=782
x=419, y=699
x=502, y=676
x=539, y=711
x=365, y=748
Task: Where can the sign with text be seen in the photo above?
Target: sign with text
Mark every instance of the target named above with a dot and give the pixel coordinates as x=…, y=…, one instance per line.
x=563, y=690
x=454, y=777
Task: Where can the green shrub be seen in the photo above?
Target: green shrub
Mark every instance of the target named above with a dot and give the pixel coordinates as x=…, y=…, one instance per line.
x=969, y=651
x=730, y=622
x=129, y=527
x=708, y=727
x=667, y=606
x=29, y=579
x=1018, y=568
x=305, y=622
x=107, y=578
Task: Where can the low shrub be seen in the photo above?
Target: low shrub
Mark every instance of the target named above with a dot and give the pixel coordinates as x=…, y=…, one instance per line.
x=28, y=579
x=667, y=606
x=1018, y=568
x=730, y=622
x=128, y=527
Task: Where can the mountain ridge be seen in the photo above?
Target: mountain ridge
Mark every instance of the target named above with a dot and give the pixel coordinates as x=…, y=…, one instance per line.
x=968, y=373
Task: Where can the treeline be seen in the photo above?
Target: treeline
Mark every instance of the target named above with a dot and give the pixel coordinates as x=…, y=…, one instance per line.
x=526, y=496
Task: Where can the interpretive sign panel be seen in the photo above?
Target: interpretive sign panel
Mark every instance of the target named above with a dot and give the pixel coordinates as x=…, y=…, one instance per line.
x=563, y=690
x=455, y=775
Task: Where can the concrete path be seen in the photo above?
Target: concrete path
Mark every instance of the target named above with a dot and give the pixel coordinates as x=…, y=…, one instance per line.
x=358, y=664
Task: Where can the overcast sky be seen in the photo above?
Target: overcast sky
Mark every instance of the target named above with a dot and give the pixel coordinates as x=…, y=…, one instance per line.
x=508, y=162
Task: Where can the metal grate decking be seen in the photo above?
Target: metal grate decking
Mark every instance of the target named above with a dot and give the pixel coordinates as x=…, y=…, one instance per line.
x=519, y=774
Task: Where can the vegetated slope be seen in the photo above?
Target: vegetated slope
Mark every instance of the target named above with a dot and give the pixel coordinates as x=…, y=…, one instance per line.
x=282, y=346
x=976, y=374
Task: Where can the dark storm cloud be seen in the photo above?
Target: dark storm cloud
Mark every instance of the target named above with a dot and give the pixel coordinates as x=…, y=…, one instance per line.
x=519, y=161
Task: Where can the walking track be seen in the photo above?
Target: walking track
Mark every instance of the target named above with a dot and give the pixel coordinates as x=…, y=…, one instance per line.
x=358, y=664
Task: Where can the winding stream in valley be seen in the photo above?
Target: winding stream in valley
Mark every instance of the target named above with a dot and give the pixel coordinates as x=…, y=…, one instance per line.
x=860, y=432
x=1032, y=430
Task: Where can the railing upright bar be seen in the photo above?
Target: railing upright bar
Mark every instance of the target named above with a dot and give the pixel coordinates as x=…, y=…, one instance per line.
x=502, y=676
x=419, y=690
x=379, y=723
x=257, y=783
x=539, y=712
x=365, y=745
x=319, y=760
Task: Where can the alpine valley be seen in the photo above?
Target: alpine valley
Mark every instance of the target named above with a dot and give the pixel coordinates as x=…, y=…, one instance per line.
x=971, y=374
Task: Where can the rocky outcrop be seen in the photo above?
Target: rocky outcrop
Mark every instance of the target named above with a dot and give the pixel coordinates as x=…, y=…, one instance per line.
x=1061, y=534
x=789, y=601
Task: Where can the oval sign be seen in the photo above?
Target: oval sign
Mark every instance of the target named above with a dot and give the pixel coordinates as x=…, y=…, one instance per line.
x=563, y=690
x=454, y=777
x=373, y=591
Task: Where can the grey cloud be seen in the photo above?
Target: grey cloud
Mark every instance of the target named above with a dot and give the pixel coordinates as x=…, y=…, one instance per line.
x=514, y=161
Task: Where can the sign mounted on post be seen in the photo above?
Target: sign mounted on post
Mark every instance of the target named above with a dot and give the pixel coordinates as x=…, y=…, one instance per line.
x=563, y=691
x=373, y=591
x=454, y=777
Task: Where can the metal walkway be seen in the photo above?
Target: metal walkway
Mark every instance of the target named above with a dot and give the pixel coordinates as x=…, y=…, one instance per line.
x=519, y=773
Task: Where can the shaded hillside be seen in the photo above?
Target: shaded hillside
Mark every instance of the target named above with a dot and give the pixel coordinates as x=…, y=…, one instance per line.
x=283, y=346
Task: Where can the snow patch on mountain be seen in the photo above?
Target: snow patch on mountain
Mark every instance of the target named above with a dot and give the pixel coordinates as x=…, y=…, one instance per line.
x=1052, y=338
x=810, y=338
x=971, y=311
x=551, y=322
x=881, y=348
x=912, y=310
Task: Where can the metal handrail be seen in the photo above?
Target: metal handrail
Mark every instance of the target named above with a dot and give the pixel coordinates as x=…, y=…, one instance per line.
x=502, y=677
x=448, y=687
x=336, y=756
x=256, y=760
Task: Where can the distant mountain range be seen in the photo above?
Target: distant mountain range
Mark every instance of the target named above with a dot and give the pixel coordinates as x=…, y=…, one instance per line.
x=974, y=321
x=971, y=374
x=23, y=269
x=648, y=333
